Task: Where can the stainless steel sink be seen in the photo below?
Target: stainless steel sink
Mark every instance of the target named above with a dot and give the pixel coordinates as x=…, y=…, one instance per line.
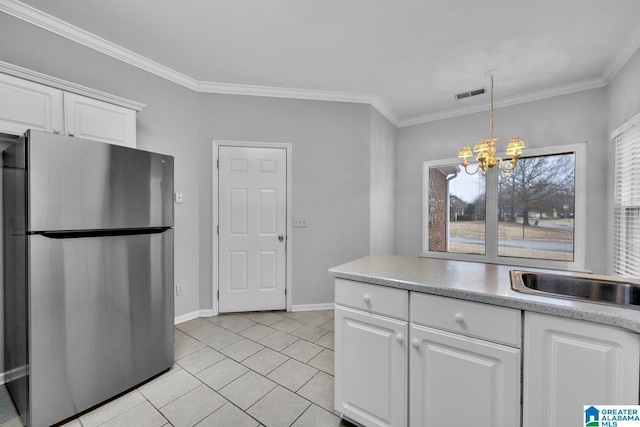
x=588, y=288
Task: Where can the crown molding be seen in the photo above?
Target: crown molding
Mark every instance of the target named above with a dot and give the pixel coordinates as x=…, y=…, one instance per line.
x=383, y=109
x=315, y=95
x=627, y=52
x=57, y=26
x=278, y=92
x=50, y=23
x=507, y=102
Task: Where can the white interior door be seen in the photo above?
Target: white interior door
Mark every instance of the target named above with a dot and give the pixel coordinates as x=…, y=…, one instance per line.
x=252, y=240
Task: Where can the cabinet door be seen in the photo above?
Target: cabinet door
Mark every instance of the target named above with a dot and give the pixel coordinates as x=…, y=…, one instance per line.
x=570, y=363
x=461, y=381
x=371, y=368
x=27, y=105
x=100, y=121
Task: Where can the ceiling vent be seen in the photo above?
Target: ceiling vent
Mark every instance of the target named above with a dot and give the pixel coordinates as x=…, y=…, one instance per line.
x=470, y=93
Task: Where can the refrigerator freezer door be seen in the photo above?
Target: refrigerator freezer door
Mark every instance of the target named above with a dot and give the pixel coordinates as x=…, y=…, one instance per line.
x=77, y=184
x=101, y=319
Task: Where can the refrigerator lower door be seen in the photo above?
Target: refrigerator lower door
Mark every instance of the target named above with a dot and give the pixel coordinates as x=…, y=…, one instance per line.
x=101, y=319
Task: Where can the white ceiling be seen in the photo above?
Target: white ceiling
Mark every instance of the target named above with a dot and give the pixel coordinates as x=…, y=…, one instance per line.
x=406, y=57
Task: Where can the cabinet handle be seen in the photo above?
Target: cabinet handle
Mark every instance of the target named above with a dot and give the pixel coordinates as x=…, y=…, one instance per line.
x=56, y=130
x=366, y=298
x=399, y=338
x=71, y=133
x=459, y=318
x=415, y=342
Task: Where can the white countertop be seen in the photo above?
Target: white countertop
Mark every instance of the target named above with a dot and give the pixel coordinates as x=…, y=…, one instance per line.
x=480, y=282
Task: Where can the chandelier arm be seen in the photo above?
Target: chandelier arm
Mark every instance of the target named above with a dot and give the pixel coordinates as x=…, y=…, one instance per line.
x=474, y=172
x=504, y=168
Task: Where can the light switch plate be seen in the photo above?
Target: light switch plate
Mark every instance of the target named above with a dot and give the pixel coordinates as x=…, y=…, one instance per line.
x=179, y=199
x=300, y=222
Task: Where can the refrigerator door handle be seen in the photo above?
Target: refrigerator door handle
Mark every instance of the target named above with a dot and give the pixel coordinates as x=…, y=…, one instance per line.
x=72, y=234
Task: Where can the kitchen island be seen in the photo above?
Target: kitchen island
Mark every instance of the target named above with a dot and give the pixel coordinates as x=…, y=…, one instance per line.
x=426, y=342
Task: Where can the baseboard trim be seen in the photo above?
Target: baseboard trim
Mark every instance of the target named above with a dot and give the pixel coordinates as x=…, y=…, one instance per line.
x=312, y=307
x=206, y=313
x=210, y=312
x=193, y=315
x=186, y=317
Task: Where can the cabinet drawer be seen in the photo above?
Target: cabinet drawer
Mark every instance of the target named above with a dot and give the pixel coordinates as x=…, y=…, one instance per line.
x=373, y=298
x=489, y=322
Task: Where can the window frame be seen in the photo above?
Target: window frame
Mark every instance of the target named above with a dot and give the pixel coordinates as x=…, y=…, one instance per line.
x=491, y=231
x=624, y=143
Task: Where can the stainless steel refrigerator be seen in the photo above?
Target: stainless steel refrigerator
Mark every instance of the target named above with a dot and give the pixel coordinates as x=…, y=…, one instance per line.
x=88, y=272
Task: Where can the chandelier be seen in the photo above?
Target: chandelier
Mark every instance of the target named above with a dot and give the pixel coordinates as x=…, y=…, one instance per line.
x=486, y=150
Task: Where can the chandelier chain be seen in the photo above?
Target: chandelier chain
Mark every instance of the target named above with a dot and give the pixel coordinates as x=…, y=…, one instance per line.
x=485, y=149
x=491, y=112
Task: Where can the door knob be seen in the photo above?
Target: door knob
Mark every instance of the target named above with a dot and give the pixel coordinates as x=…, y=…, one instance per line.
x=281, y=238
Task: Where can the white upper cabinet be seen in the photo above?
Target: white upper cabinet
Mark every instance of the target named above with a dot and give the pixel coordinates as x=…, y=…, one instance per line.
x=27, y=105
x=92, y=119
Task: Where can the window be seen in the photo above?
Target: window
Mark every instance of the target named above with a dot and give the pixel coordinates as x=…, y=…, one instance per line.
x=457, y=209
x=626, y=218
x=532, y=217
x=536, y=208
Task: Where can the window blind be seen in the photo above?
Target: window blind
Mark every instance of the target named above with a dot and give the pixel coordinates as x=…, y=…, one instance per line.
x=626, y=221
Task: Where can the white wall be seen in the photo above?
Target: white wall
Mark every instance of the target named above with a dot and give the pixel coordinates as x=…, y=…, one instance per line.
x=331, y=157
x=551, y=122
x=383, y=179
x=623, y=94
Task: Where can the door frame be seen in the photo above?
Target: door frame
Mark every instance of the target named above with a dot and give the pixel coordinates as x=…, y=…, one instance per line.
x=214, y=215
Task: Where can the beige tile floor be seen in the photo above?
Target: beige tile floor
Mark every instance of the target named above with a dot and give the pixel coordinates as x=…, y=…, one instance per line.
x=233, y=370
